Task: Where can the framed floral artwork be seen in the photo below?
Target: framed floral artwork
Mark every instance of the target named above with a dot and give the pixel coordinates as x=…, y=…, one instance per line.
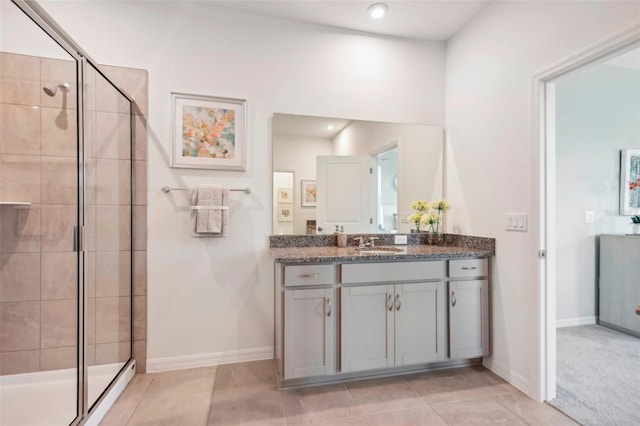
x=285, y=195
x=630, y=182
x=308, y=191
x=208, y=132
x=285, y=213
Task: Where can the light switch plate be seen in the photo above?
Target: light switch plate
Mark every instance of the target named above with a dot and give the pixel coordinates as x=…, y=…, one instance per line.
x=400, y=239
x=516, y=222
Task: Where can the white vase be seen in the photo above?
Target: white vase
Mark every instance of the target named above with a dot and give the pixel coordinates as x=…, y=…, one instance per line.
x=636, y=228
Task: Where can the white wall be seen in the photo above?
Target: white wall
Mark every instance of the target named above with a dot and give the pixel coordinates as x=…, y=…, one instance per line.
x=597, y=115
x=298, y=153
x=212, y=299
x=490, y=64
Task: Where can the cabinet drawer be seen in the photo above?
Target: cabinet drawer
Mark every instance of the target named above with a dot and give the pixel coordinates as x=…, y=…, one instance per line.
x=309, y=275
x=463, y=268
x=392, y=272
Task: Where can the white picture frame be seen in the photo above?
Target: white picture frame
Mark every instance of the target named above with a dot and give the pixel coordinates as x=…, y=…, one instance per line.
x=630, y=182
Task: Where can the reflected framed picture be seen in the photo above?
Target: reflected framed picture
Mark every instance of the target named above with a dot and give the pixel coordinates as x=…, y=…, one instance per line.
x=285, y=195
x=629, y=182
x=308, y=192
x=208, y=132
x=285, y=213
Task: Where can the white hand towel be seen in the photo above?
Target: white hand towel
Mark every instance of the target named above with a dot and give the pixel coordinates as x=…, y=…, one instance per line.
x=210, y=221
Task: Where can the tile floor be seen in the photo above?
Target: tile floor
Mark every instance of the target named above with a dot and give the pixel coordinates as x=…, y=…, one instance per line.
x=246, y=394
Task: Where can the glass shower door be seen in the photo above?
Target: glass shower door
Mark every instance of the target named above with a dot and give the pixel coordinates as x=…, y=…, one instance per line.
x=108, y=228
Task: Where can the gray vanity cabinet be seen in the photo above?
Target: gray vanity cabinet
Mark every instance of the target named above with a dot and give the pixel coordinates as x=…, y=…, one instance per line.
x=388, y=324
x=308, y=323
x=468, y=309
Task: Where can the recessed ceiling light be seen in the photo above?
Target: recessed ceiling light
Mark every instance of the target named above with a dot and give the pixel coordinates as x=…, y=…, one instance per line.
x=328, y=127
x=377, y=10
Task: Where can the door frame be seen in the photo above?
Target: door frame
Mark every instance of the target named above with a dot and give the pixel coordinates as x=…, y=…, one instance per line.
x=544, y=186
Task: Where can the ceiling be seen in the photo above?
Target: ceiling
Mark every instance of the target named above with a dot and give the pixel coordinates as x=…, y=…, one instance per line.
x=303, y=125
x=418, y=19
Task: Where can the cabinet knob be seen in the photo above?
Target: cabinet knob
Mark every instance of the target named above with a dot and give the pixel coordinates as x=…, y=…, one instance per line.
x=389, y=302
x=453, y=298
x=398, y=302
x=328, y=299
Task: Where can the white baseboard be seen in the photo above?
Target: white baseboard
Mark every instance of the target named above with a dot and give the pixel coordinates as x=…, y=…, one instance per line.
x=155, y=365
x=573, y=322
x=516, y=379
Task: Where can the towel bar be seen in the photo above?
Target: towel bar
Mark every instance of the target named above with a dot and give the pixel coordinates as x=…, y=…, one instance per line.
x=169, y=189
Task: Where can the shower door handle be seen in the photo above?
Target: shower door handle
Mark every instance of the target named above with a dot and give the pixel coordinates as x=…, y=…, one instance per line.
x=78, y=238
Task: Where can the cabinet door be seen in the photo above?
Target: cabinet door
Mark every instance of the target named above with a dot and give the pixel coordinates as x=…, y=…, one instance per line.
x=308, y=333
x=367, y=327
x=469, y=318
x=419, y=323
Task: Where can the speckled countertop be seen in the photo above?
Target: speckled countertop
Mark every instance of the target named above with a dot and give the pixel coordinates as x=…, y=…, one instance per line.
x=353, y=254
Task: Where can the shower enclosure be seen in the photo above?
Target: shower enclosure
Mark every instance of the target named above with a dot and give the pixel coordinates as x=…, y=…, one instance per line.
x=65, y=225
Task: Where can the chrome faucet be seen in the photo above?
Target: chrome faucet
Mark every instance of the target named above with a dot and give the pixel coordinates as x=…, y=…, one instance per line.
x=371, y=242
x=360, y=241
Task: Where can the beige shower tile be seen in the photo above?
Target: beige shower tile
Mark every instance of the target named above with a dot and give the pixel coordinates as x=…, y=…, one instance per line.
x=59, y=323
x=19, y=326
x=61, y=70
x=20, y=229
x=140, y=134
x=59, y=132
x=139, y=273
x=91, y=355
x=114, y=182
x=19, y=362
x=90, y=273
x=113, y=228
x=19, y=66
x=125, y=320
x=113, y=136
x=109, y=353
x=20, y=277
x=57, y=227
x=108, y=99
x=59, y=180
x=113, y=276
x=113, y=273
x=140, y=181
x=139, y=317
x=18, y=91
x=91, y=225
x=63, y=99
x=58, y=358
x=91, y=320
x=20, y=178
x=19, y=130
x=113, y=319
x=134, y=82
x=140, y=354
x=140, y=227
x=59, y=275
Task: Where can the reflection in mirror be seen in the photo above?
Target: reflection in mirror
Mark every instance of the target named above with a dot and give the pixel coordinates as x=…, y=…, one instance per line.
x=283, y=202
x=368, y=173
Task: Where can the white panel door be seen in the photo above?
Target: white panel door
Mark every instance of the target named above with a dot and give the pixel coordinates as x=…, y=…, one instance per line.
x=469, y=318
x=308, y=333
x=419, y=323
x=367, y=327
x=343, y=197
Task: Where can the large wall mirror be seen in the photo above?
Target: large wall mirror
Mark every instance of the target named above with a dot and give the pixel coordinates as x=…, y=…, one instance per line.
x=359, y=175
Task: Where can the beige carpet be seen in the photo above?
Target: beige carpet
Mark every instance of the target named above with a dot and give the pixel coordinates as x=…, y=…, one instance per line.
x=598, y=376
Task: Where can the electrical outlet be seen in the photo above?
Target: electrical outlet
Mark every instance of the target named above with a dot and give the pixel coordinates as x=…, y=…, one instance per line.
x=589, y=217
x=400, y=239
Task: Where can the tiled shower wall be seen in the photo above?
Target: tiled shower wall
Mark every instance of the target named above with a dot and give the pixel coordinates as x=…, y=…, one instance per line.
x=38, y=294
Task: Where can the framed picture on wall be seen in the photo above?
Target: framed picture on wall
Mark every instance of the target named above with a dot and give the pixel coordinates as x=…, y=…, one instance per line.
x=630, y=182
x=285, y=195
x=208, y=132
x=285, y=213
x=308, y=192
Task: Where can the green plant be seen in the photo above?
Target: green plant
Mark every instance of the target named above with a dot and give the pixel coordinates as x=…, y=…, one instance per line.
x=635, y=219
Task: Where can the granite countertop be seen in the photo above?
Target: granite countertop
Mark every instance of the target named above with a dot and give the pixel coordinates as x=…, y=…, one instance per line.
x=353, y=254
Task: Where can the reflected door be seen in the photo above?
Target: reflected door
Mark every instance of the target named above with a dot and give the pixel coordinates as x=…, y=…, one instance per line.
x=344, y=193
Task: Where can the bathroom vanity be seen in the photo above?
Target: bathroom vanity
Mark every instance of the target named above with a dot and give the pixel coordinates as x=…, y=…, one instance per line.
x=342, y=313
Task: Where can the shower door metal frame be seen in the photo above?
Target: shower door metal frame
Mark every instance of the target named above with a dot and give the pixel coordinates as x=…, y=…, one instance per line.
x=42, y=19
